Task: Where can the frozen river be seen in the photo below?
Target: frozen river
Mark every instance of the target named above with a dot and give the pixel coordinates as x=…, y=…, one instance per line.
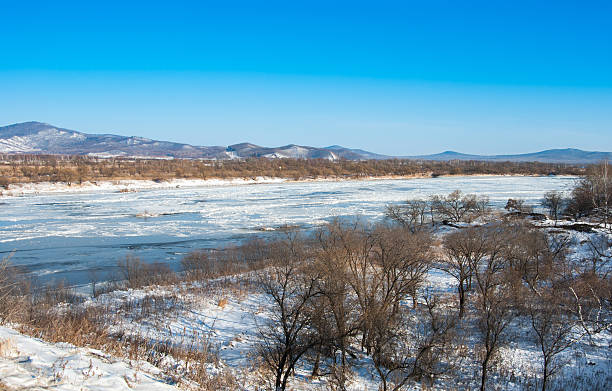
x=67, y=235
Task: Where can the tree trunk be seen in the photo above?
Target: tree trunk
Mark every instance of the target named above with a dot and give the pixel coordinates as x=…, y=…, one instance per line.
x=279, y=383
x=483, y=379
x=461, y=299
x=545, y=375
x=315, y=367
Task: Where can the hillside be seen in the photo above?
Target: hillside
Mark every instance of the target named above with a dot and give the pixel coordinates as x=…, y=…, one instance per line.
x=41, y=138
x=45, y=139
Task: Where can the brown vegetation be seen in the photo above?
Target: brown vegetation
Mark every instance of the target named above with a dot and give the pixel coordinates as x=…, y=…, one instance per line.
x=592, y=197
x=78, y=169
x=456, y=207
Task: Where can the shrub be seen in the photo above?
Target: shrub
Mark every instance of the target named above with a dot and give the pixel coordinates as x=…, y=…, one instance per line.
x=135, y=273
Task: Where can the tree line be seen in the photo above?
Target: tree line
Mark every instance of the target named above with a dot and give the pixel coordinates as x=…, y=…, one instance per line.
x=78, y=169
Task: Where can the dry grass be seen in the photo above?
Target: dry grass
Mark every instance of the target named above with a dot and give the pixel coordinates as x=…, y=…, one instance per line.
x=89, y=327
x=6, y=347
x=134, y=273
x=222, y=303
x=57, y=314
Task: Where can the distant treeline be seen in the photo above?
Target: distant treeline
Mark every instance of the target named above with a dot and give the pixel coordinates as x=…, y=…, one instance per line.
x=77, y=169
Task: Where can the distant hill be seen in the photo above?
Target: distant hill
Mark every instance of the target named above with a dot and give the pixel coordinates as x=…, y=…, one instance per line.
x=567, y=155
x=42, y=138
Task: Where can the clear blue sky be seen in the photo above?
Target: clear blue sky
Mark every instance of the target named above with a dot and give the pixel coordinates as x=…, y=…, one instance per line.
x=405, y=77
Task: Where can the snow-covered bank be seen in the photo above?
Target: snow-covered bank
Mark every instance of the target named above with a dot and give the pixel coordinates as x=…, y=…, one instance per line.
x=127, y=185
x=130, y=185
x=32, y=364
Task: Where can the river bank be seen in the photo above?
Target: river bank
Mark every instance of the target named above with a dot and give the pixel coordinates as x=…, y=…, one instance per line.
x=133, y=185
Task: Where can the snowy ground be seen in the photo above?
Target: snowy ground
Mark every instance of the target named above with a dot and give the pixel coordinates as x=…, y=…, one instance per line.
x=228, y=314
x=28, y=363
x=228, y=321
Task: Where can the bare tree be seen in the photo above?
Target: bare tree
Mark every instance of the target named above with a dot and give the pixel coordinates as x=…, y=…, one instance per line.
x=338, y=319
x=580, y=202
x=518, y=205
x=532, y=255
x=381, y=266
x=601, y=254
x=554, y=202
x=403, y=259
x=590, y=301
x=434, y=337
x=412, y=347
x=463, y=249
x=288, y=335
x=592, y=196
x=412, y=215
x=353, y=245
x=607, y=192
x=560, y=298
x=602, y=190
x=493, y=301
x=456, y=207
x=552, y=326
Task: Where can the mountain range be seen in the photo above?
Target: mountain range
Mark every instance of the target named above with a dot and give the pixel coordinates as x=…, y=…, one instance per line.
x=42, y=138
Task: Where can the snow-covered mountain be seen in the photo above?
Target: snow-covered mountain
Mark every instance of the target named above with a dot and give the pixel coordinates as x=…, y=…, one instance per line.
x=303, y=152
x=41, y=138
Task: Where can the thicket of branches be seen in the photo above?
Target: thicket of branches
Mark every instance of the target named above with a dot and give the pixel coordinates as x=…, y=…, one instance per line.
x=76, y=169
x=592, y=196
x=456, y=207
x=346, y=293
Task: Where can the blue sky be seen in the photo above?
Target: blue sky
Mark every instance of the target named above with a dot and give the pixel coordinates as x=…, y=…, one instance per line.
x=392, y=77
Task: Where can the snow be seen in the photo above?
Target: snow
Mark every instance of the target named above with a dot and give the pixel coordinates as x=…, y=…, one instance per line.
x=39, y=141
x=16, y=190
x=229, y=321
x=16, y=144
x=29, y=363
x=227, y=313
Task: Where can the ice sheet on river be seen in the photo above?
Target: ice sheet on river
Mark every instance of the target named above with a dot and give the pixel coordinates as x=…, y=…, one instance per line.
x=69, y=235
